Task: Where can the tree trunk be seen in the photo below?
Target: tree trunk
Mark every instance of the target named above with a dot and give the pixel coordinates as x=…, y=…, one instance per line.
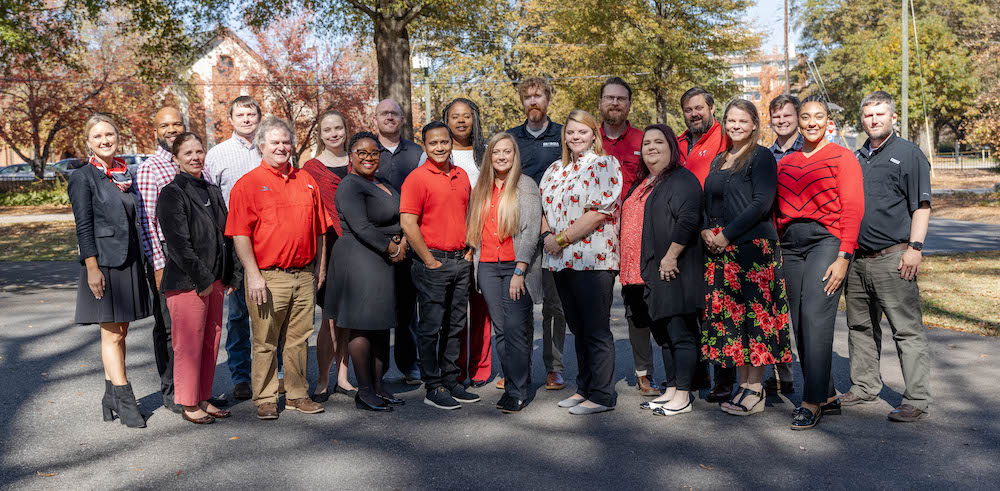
x=392, y=52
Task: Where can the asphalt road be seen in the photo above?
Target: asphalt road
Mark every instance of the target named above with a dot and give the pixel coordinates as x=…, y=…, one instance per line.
x=52, y=435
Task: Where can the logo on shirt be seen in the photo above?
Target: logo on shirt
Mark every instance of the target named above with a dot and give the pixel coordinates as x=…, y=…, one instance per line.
x=550, y=144
x=310, y=186
x=265, y=188
x=894, y=161
x=702, y=153
x=635, y=152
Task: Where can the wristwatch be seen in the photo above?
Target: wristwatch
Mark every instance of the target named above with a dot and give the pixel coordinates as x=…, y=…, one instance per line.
x=917, y=246
x=545, y=234
x=845, y=255
x=518, y=272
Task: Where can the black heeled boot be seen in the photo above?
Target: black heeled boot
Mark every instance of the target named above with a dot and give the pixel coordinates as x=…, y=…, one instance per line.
x=127, y=408
x=108, y=402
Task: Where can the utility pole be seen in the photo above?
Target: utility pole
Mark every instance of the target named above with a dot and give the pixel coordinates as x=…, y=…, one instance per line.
x=905, y=124
x=788, y=81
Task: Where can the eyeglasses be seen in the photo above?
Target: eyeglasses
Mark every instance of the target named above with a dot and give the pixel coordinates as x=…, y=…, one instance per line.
x=365, y=155
x=612, y=98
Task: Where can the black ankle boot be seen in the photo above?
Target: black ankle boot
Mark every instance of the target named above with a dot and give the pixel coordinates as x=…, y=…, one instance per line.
x=108, y=402
x=127, y=408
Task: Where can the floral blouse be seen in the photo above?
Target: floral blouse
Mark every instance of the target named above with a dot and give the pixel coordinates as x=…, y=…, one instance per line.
x=633, y=213
x=591, y=183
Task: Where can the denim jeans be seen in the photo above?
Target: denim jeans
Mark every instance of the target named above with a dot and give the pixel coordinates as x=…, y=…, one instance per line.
x=443, y=303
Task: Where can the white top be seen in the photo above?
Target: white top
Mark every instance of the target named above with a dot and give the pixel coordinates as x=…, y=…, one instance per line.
x=466, y=160
x=228, y=161
x=590, y=183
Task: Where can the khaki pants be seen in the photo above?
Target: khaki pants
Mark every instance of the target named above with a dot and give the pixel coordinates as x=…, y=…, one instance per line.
x=287, y=314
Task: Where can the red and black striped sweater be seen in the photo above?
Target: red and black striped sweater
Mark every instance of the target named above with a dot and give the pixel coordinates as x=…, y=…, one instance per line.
x=826, y=187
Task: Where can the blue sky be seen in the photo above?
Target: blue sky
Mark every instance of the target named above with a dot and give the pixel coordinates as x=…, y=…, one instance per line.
x=768, y=16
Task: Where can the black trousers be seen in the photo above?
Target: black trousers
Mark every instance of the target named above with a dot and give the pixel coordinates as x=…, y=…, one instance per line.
x=405, y=349
x=677, y=336
x=163, y=349
x=443, y=296
x=807, y=250
x=586, y=298
x=513, y=322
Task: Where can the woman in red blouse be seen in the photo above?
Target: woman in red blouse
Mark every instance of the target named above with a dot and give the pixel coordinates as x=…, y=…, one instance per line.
x=328, y=168
x=820, y=205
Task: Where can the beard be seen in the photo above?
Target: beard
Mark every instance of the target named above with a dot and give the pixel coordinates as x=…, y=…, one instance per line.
x=614, y=119
x=536, y=114
x=162, y=142
x=699, y=127
x=882, y=133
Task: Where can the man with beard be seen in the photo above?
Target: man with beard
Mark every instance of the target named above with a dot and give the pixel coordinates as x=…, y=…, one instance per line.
x=883, y=277
x=624, y=142
x=151, y=177
x=397, y=158
x=621, y=140
x=703, y=140
x=539, y=141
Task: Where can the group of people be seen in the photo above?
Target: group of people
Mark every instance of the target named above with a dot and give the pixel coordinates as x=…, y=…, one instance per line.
x=723, y=248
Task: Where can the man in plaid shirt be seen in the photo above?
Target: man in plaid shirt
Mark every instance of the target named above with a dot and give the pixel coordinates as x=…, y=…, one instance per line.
x=153, y=174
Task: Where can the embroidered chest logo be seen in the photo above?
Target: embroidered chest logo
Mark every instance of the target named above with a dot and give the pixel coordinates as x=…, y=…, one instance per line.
x=265, y=188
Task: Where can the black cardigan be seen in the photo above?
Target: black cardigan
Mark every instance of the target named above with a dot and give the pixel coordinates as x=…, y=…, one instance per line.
x=198, y=253
x=102, y=227
x=749, y=199
x=673, y=214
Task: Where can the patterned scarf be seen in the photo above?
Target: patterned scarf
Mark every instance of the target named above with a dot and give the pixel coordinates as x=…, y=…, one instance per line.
x=118, y=174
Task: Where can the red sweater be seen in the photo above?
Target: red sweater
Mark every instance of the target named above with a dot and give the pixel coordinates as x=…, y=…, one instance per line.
x=826, y=187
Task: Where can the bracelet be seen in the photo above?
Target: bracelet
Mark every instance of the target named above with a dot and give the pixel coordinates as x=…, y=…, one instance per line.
x=398, y=250
x=545, y=234
x=561, y=240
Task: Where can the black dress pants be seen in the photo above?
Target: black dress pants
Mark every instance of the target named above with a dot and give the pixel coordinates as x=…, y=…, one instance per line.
x=443, y=296
x=163, y=349
x=405, y=349
x=513, y=322
x=677, y=336
x=807, y=250
x=586, y=298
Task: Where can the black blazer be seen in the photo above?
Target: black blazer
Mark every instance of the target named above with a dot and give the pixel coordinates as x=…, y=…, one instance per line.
x=673, y=214
x=102, y=226
x=748, y=199
x=198, y=252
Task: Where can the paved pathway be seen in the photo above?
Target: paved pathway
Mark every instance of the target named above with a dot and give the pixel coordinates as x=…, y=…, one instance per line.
x=52, y=436
x=53, y=217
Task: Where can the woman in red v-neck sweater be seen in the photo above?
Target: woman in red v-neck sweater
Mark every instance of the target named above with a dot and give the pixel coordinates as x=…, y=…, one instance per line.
x=819, y=209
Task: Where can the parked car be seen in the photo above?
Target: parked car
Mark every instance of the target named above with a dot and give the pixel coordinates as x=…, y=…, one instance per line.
x=69, y=166
x=132, y=160
x=23, y=172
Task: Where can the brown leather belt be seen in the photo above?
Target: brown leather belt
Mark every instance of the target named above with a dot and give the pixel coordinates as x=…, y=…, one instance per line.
x=288, y=270
x=887, y=250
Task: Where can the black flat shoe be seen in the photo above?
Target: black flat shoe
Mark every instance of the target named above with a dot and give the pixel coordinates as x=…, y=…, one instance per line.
x=391, y=400
x=340, y=390
x=320, y=397
x=478, y=383
x=502, y=401
x=832, y=408
x=361, y=404
x=804, y=419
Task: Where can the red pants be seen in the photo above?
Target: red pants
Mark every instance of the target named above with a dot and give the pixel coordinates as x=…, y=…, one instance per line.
x=196, y=326
x=475, y=358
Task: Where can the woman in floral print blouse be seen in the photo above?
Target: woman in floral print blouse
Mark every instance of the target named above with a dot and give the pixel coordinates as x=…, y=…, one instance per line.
x=580, y=198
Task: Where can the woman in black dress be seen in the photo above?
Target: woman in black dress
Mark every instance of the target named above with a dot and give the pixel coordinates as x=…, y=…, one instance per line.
x=113, y=291
x=372, y=242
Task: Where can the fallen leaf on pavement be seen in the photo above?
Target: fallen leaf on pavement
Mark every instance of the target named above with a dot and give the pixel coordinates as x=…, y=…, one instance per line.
x=703, y=466
x=136, y=470
x=178, y=472
x=50, y=474
x=802, y=448
x=234, y=438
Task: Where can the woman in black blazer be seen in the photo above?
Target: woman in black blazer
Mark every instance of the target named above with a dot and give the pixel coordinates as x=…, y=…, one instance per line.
x=112, y=291
x=662, y=270
x=200, y=260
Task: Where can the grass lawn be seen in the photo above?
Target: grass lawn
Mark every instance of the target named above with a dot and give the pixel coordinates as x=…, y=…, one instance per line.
x=958, y=291
x=965, y=179
x=983, y=208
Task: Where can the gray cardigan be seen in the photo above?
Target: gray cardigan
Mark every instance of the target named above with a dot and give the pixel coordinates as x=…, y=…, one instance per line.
x=526, y=249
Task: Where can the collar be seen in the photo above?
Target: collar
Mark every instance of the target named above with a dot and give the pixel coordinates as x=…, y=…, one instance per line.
x=549, y=129
x=186, y=178
x=276, y=172
x=399, y=148
x=241, y=142
x=871, y=152
x=628, y=128
x=796, y=146
x=433, y=167
x=163, y=154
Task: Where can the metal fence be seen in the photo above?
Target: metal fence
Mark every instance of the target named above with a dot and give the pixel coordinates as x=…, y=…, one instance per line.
x=983, y=159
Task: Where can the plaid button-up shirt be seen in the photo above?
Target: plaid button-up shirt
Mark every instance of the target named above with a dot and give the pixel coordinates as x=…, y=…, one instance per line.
x=228, y=161
x=153, y=174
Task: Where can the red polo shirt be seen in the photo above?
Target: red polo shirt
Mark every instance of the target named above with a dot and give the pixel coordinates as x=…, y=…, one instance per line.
x=440, y=202
x=282, y=215
x=493, y=248
x=626, y=148
x=699, y=159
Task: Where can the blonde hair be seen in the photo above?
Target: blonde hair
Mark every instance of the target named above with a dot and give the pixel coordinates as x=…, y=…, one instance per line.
x=482, y=193
x=96, y=119
x=585, y=118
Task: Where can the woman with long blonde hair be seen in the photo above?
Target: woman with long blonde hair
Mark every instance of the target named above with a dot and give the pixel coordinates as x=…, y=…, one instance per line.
x=580, y=198
x=504, y=221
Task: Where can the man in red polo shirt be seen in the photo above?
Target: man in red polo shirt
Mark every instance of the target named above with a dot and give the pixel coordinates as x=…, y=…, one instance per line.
x=704, y=138
x=432, y=208
x=620, y=139
x=277, y=221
